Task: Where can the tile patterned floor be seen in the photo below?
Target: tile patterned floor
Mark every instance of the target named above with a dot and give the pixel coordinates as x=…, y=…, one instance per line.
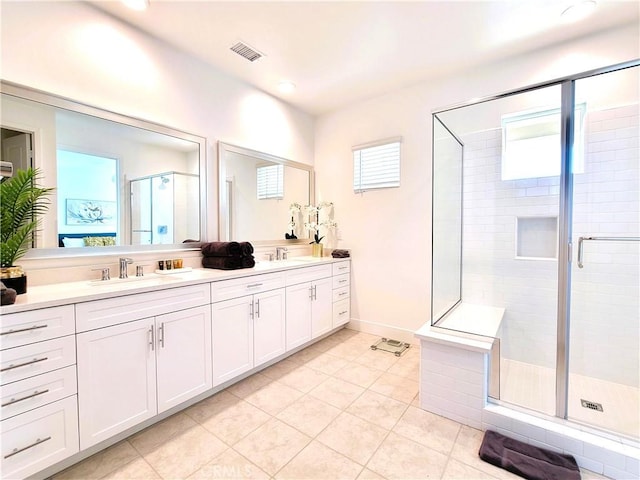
x=335, y=410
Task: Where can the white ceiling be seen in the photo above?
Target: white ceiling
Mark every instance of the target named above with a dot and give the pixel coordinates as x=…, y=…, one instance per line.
x=341, y=52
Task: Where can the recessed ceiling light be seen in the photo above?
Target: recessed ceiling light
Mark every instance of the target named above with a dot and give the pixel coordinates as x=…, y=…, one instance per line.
x=136, y=4
x=578, y=10
x=286, y=87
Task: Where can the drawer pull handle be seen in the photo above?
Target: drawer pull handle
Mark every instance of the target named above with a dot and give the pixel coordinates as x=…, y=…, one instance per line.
x=342, y=268
x=341, y=281
x=35, y=360
x=18, y=450
x=16, y=400
x=254, y=285
x=343, y=293
x=343, y=312
x=35, y=327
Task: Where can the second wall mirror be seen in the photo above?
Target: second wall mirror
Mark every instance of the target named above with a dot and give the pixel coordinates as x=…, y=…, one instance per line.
x=256, y=193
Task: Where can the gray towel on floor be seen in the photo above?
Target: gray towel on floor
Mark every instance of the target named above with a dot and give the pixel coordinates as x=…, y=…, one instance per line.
x=528, y=461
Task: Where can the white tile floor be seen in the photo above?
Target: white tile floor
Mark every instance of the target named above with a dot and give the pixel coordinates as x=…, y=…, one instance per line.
x=335, y=410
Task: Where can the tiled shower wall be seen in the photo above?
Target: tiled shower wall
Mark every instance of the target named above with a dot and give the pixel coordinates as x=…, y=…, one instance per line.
x=604, y=321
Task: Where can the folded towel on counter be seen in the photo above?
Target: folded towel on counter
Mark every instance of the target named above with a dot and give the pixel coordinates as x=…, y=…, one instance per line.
x=339, y=253
x=528, y=461
x=229, y=263
x=226, y=249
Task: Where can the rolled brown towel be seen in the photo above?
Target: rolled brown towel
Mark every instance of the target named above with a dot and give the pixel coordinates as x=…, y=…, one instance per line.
x=229, y=263
x=226, y=249
x=247, y=248
x=221, y=249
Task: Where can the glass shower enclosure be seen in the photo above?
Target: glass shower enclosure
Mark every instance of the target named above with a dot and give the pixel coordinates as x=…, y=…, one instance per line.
x=165, y=208
x=536, y=212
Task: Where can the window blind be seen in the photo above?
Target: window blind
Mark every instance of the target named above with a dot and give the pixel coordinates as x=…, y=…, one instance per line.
x=376, y=166
x=270, y=181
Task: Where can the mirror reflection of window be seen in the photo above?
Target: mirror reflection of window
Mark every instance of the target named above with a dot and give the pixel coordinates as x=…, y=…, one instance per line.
x=270, y=179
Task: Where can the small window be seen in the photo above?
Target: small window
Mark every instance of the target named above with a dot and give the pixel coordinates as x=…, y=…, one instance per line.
x=270, y=181
x=531, y=144
x=376, y=165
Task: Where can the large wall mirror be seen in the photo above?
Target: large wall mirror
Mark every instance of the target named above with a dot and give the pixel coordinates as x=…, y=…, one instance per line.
x=256, y=193
x=120, y=182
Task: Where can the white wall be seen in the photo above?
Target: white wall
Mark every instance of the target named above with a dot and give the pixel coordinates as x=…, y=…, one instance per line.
x=388, y=231
x=71, y=49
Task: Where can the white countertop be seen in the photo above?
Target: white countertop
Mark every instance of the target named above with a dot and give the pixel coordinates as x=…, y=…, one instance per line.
x=44, y=296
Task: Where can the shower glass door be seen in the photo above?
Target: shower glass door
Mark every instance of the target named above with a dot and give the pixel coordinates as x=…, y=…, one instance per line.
x=510, y=209
x=604, y=361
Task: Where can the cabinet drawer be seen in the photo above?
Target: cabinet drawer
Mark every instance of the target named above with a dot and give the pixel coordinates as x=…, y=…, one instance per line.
x=126, y=308
x=341, y=293
x=25, y=395
x=239, y=287
x=37, y=358
x=308, y=274
x=39, y=438
x=341, y=267
x=340, y=281
x=35, y=326
x=341, y=312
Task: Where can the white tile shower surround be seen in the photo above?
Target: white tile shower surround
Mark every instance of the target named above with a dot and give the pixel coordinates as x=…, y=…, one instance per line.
x=335, y=410
x=533, y=386
x=605, y=301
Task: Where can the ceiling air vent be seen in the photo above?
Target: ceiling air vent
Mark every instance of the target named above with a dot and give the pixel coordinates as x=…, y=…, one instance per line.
x=246, y=51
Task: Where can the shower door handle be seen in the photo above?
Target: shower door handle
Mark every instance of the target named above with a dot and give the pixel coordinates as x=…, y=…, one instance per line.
x=581, y=241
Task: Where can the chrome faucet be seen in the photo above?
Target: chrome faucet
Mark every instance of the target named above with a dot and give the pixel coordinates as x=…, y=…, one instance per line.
x=123, y=267
x=281, y=253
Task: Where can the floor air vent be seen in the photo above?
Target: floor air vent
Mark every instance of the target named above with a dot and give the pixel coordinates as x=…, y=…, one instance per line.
x=591, y=405
x=393, y=346
x=246, y=51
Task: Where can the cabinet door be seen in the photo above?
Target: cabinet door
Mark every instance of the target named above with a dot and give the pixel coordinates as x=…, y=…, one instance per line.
x=183, y=354
x=116, y=379
x=268, y=326
x=322, y=307
x=298, y=315
x=232, y=338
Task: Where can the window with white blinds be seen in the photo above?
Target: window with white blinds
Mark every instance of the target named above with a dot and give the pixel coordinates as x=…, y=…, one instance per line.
x=270, y=181
x=376, y=165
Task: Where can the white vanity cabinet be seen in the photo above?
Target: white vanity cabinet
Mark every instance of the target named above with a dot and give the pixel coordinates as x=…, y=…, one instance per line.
x=309, y=304
x=39, y=402
x=132, y=370
x=248, y=316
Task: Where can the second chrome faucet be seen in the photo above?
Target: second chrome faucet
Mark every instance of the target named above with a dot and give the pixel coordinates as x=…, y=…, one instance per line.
x=124, y=263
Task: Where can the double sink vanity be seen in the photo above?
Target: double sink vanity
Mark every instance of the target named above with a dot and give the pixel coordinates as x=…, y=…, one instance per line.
x=85, y=364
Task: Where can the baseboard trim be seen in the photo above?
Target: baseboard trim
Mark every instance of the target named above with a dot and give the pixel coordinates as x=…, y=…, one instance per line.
x=387, y=331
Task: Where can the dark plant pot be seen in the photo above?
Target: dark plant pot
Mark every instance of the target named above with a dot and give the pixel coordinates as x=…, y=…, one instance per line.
x=14, y=277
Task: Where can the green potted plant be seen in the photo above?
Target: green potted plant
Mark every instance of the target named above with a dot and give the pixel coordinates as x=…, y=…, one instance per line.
x=21, y=204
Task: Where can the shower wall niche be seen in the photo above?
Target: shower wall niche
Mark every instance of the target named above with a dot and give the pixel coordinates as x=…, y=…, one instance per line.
x=165, y=208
